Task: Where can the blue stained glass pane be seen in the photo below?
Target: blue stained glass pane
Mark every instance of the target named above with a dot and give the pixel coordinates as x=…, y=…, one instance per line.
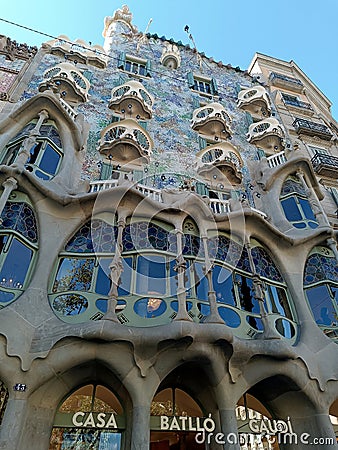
x=102, y=304
x=285, y=328
x=230, y=317
x=15, y=267
x=307, y=209
x=264, y=264
x=150, y=307
x=322, y=305
x=255, y=322
x=74, y=274
x=223, y=285
x=173, y=278
x=103, y=282
x=299, y=225
x=201, y=282
x=20, y=217
x=291, y=210
x=205, y=309
x=320, y=268
x=151, y=275
x=50, y=160
x=70, y=304
x=6, y=297
x=174, y=305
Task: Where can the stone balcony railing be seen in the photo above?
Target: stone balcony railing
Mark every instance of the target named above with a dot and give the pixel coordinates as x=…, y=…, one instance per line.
x=217, y=206
x=268, y=134
x=276, y=160
x=255, y=100
x=68, y=81
x=132, y=99
x=310, y=128
x=212, y=120
x=69, y=110
x=126, y=142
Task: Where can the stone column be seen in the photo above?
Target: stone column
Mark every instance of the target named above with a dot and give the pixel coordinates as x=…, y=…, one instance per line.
x=116, y=268
x=9, y=185
x=313, y=200
x=214, y=316
x=269, y=332
x=140, y=436
x=180, y=268
x=27, y=144
x=12, y=425
x=229, y=429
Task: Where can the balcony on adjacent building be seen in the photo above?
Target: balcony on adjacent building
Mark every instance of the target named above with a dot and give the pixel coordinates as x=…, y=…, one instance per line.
x=325, y=165
x=310, y=128
x=66, y=80
x=126, y=143
x=268, y=134
x=212, y=120
x=285, y=81
x=132, y=100
x=255, y=101
x=220, y=163
x=293, y=101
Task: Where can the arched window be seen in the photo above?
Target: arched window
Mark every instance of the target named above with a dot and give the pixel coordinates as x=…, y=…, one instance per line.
x=80, y=285
x=45, y=155
x=321, y=288
x=3, y=399
x=235, y=291
x=91, y=417
x=295, y=204
x=18, y=247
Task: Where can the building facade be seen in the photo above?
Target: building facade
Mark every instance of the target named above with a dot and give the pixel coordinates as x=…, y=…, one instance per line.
x=169, y=274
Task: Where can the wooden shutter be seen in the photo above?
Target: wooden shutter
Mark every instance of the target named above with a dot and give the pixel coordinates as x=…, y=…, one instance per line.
x=106, y=171
x=213, y=85
x=148, y=68
x=201, y=189
x=191, y=80
x=202, y=142
x=121, y=60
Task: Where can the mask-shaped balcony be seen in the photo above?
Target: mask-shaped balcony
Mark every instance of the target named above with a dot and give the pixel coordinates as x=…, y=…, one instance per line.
x=171, y=57
x=268, y=134
x=126, y=143
x=78, y=51
x=132, y=100
x=68, y=81
x=220, y=163
x=212, y=120
x=255, y=101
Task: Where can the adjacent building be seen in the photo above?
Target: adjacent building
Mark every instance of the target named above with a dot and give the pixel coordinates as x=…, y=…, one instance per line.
x=168, y=265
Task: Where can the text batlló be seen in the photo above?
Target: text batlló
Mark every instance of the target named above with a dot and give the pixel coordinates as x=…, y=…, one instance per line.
x=99, y=420
x=184, y=423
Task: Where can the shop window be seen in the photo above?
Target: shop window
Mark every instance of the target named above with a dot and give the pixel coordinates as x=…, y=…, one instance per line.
x=321, y=288
x=295, y=204
x=45, y=156
x=3, y=399
x=202, y=84
x=18, y=247
x=91, y=417
x=133, y=65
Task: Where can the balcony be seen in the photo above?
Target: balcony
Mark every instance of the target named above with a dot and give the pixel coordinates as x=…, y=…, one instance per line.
x=220, y=163
x=309, y=128
x=132, y=100
x=325, y=165
x=284, y=81
x=276, y=160
x=68, y=81
x=268, y=134
x=212, y=120
x=255, y=101
x=78, y=51
x=126, y=143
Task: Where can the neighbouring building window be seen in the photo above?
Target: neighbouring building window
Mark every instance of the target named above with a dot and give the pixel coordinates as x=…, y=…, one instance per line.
x=321, y=288
x=18, y=248
x=295, y=204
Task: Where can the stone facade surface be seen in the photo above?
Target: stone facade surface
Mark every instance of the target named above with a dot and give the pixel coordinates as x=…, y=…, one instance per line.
x=157, y=281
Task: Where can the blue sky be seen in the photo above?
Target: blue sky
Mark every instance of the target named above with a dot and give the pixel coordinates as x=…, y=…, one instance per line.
x=231, y=31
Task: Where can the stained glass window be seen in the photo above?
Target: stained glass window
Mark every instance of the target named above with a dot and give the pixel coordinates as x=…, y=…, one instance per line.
x=19, y=216
x=146, y=235
x=94, y=236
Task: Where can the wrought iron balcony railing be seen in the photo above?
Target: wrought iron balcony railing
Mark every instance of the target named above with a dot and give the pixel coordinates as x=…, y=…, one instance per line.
x=297, y=103
x=325, y=165
x=278, y=79
x=312, y=128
